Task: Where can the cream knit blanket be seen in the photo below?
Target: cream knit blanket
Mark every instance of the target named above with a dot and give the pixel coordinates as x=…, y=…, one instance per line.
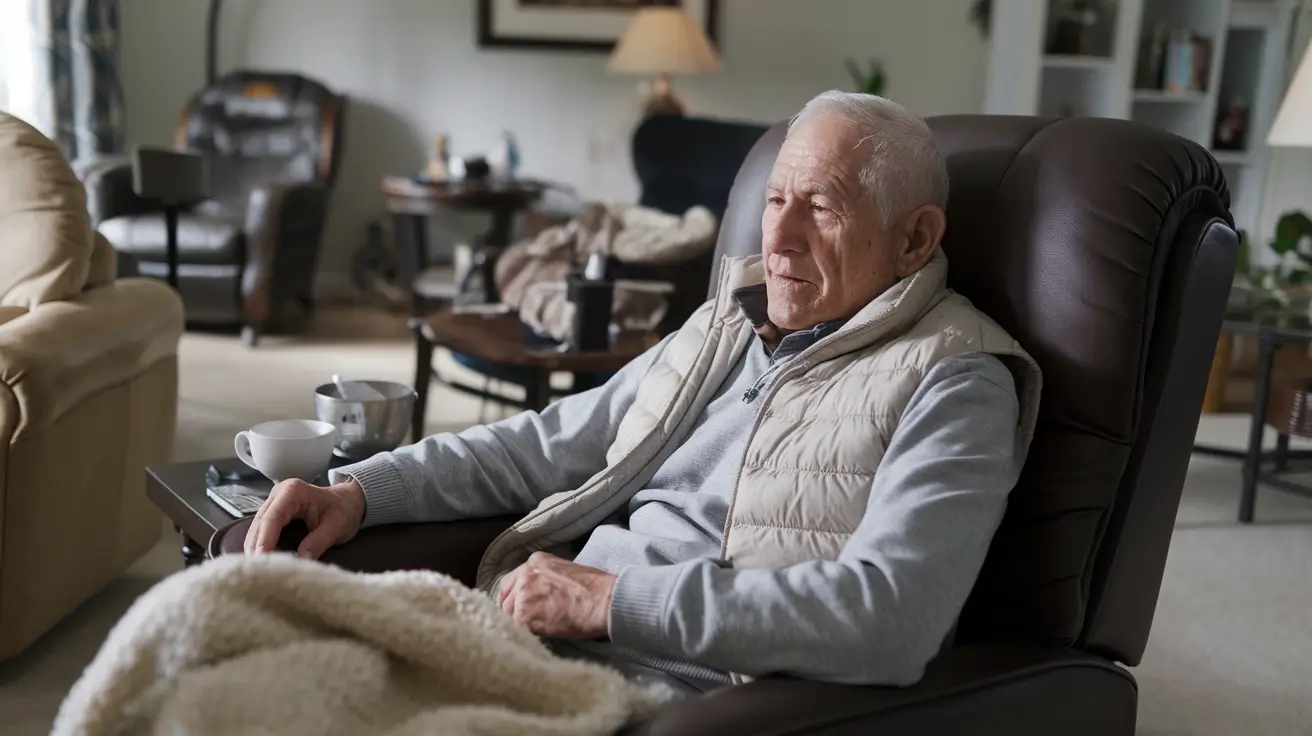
x=278, y=645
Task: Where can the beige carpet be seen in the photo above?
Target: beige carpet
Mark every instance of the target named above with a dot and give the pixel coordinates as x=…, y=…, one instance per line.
x=1230, y=652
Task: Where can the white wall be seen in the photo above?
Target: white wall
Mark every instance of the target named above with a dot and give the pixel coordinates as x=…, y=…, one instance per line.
x=1289, y=177
x=412, y=70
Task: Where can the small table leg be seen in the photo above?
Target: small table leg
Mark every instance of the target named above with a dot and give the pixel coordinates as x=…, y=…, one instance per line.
x=1282, y=452
x=1252, y=463
x=538, y=391
x=423, y=375
x=193, y=552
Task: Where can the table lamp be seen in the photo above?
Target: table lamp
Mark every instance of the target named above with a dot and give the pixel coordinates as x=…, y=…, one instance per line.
x=662, y=41
x=1293, y=124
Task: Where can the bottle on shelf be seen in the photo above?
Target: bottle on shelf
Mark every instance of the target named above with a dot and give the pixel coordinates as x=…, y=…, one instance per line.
x=1231, y=127
x=504, y=160
x=1077, y=28
x=439, y=166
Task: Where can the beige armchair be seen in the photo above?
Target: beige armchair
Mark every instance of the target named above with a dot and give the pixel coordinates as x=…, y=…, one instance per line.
x=88, y=394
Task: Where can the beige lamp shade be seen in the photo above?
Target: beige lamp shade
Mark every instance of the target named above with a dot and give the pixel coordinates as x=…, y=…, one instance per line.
x=663, y=40
x=1293, y=125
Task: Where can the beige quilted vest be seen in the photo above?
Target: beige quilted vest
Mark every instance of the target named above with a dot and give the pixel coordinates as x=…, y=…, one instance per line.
x=823, y=421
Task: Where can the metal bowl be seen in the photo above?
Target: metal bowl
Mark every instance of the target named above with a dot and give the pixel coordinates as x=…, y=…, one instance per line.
x=367, y=427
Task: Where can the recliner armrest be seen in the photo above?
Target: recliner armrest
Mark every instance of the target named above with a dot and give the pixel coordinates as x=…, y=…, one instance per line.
x=286, y=206
x=110, y=194
x=997, y=688
x=453, y=547
x=283, y=224
x=59, y=354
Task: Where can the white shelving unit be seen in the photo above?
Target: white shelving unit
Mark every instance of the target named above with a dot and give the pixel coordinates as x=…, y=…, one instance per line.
x=1249, y=41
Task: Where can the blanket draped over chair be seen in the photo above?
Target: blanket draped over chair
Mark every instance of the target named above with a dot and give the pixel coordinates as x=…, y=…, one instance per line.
x=530, y=275
x=277, y=644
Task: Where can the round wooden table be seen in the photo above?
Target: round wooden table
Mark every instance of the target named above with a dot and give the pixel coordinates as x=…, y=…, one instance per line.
x=411, y=202
x=501, y=339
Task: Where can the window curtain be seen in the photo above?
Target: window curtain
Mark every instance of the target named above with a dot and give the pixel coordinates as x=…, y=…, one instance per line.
x=78, y=100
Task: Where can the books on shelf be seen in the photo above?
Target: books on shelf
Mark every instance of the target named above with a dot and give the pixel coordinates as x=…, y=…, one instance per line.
x=1174, y=61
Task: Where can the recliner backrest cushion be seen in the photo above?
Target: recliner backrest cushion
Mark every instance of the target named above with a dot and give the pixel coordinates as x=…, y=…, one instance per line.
x=263, y=127
x=45, y=231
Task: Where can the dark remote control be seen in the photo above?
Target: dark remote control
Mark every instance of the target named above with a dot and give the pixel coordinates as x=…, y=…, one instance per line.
x=225, y=472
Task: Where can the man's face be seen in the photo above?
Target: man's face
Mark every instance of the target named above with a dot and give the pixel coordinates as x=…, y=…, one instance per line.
x=826, y=253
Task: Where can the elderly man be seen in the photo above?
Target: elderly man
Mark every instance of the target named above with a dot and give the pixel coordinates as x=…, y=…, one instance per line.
x=803, y=480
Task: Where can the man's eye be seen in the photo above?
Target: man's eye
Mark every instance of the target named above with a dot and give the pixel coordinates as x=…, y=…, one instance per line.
x=776, y=201
x=817, y=207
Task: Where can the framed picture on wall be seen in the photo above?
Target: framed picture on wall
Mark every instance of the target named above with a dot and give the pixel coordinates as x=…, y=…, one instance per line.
x=579, y=25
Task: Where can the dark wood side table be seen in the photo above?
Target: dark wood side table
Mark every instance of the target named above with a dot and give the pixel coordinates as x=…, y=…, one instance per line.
x=1274, y=327
x=411, y=202
x=178, y=489
x=500, y=339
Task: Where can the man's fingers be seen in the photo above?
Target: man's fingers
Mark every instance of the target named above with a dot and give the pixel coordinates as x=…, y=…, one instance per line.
x=248, y=544
x=508, y=602
x=319, y=540
x=506, y=587
x=281, y=509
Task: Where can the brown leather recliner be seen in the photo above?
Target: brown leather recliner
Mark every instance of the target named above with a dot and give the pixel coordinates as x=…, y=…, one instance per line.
x=273, y=144
x=1107, y=249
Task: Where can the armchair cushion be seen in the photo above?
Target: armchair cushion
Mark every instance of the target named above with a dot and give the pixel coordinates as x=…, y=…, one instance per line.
x=8, y=314
x=104, y=263
x=45, y=232
x=202, y=238
x=57, y=355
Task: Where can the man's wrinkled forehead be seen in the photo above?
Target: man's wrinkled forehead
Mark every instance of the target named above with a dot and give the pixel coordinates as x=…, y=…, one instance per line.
x=820, y=153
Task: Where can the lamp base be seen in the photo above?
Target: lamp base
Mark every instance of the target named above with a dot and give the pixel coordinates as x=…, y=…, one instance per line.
x=662, y=101
x=658, y=104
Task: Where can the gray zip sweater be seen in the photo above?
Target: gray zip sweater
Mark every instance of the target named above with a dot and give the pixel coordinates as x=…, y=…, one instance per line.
x=876, y=615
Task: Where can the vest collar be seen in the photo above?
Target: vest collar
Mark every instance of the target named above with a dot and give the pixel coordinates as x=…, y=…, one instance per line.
x=895, y=310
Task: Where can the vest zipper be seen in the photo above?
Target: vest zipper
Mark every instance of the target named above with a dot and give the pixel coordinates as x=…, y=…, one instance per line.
x=750, y=394
x=802, y=366
x=794, y=366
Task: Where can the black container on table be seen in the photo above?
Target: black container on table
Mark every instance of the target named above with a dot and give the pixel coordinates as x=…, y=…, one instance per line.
x=592, y=301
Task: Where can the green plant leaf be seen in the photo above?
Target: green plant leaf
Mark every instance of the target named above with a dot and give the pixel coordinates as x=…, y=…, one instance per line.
x=870, y=80
x=858, y=78
x=1292, y=229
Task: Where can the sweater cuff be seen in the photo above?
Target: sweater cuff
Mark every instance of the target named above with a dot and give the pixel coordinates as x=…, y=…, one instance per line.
x=638, y=605
x=386, y=497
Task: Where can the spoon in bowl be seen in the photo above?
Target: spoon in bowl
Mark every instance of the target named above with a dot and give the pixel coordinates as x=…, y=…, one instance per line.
x=361, y=391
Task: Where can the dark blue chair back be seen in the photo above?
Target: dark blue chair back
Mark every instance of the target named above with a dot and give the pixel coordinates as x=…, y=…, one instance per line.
x=682, y=161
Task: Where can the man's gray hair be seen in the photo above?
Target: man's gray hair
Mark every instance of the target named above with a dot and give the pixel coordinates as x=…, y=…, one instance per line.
x=903, y=170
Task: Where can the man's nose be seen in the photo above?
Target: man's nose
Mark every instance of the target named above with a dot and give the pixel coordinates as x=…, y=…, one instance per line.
x=787, y=232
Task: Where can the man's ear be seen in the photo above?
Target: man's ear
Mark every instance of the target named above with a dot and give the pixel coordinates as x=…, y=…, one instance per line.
x=922, y=232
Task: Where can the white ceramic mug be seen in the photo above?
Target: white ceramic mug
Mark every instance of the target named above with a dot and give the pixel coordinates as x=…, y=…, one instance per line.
x=288, y=448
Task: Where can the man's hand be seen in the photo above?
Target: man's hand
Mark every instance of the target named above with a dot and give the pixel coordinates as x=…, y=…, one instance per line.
x=557, y=598
x=333, y=514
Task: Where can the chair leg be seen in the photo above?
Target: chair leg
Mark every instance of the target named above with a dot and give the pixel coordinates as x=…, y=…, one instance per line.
x=482, y=403
x=423, y=377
